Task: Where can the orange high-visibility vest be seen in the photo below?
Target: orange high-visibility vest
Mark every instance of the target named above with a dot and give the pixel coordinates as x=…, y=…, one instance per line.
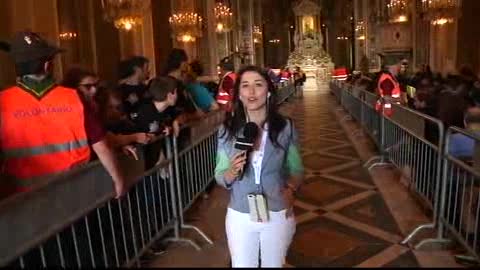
x=40, y=136
x=396, y=89
x=225, y=96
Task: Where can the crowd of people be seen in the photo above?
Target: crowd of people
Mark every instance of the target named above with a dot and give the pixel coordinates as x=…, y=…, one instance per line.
x=67, y=120
x=49, y=127
x=454, y=99
x=107, y=117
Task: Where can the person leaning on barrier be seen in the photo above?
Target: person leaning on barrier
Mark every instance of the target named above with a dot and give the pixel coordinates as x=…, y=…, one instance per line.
x=158, y=116
x=197, y=91
x=44, y=128
x=176, y=68
x=87, y=85
x=134, y=74
x=272, y=173
x=462, y=146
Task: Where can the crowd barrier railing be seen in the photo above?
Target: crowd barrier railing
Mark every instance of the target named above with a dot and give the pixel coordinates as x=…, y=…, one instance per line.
x=417, y=155
x=285, y=92
x=73, y=219
x=371, y=120
x=459, y=215
x=414, y=143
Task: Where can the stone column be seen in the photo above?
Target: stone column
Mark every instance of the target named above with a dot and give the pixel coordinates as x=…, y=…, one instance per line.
x=7, y=69
x=469, y=36
x=244, y=27
x=443, y=48
x=259, y=53
x=162, y=33
x=209, y=42
x=106, y=44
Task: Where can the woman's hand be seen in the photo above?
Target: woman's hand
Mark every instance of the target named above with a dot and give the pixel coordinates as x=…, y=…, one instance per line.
x=288, y=193
x=237, y=163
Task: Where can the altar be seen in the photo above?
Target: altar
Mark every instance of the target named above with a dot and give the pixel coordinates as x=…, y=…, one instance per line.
x=309, y=54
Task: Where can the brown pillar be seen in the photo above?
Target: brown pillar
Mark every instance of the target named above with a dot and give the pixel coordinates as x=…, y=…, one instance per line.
x=468, y=37
x=7, y=72
x=107, y=48
x=162, y=32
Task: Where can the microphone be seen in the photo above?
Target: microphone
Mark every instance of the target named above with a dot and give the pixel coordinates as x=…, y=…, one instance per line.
x=250, y=133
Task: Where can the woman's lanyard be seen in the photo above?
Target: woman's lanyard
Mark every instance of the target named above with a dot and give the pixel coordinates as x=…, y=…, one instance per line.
x=257, y=160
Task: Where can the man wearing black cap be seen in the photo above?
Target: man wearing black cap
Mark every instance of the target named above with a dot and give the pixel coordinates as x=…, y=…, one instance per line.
x=44, y=128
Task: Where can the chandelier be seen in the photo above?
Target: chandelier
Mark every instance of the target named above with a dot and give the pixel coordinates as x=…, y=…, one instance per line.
x=257, y=34
x=186, y=27
x=223, y=18
x=398, y=10
x=440, y=12
x=125, y=14
x=360, y=30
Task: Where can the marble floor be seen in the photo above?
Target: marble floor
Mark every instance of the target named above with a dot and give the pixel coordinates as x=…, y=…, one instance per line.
x=343, y=219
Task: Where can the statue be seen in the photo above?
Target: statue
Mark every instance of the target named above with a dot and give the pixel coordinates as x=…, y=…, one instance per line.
x=309, y=53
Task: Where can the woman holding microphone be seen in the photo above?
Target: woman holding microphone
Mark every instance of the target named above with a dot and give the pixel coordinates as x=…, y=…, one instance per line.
x=262, y=181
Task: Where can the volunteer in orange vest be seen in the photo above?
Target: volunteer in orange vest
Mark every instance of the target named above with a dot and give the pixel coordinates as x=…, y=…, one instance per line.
x=388, y=89
x=227, y=82
x=44, y=128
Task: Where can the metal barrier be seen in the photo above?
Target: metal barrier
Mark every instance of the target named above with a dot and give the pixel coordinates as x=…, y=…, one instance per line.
x=194, y=167
x=409, y=140
x=460, y=195
x=285, y=92
x=371, y=119
x=417, y=156
x=73, y=220
x=352, y=104
x=336, y=90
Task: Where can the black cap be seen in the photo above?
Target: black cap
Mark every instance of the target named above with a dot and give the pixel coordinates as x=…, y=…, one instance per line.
x=29, y=46
x=227, y=63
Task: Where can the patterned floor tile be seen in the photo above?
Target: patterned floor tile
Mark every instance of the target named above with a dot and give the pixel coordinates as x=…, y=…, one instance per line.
x=356, y=173
x=321, y=242
x=372, y=211
x=317, y=161
x=322, y=191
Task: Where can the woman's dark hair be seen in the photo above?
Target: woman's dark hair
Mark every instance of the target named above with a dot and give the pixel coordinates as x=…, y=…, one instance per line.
x=127, y=67
x=75, y=75
x=236, y=121
x=175, y=60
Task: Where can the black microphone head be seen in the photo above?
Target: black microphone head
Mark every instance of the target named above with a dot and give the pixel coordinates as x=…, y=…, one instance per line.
x=250, y=132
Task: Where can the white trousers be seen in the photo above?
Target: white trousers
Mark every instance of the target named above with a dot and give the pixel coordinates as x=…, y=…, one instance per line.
x=246, y=239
